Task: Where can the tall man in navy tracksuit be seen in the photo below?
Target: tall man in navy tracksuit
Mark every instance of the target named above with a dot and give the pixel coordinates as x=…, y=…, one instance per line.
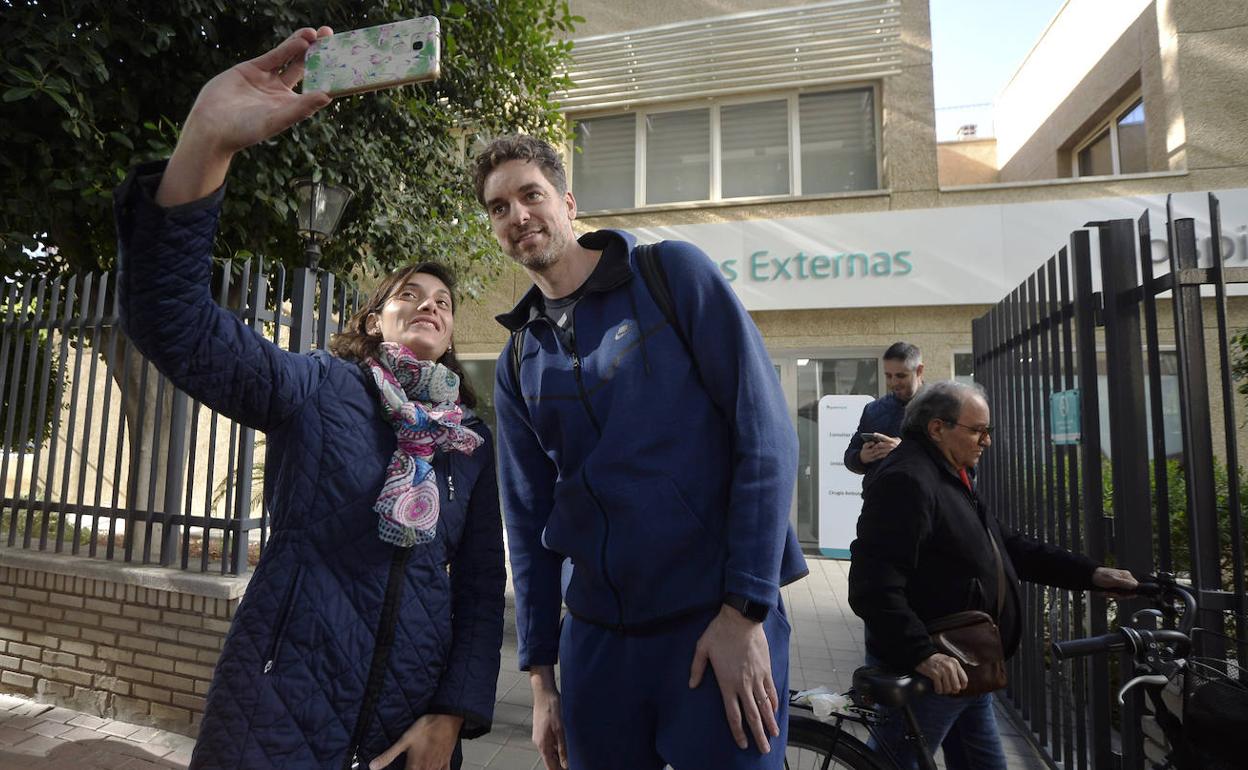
x=666, y=481
x=903, y=376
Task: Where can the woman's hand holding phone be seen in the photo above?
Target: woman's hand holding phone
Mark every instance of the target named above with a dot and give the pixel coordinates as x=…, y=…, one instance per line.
x=244, y=105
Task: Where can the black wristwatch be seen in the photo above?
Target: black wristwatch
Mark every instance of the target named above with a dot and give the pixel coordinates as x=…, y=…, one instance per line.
x=755, y=611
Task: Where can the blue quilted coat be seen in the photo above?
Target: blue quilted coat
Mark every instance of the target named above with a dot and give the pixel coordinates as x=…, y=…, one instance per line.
x=309, y=649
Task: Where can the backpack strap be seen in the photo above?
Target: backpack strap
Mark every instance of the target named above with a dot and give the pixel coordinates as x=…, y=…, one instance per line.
x=517, y=348
x=655, y=278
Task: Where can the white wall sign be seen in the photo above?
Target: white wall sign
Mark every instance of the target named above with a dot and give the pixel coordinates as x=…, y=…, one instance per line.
x=961, y=255
x=840, y=489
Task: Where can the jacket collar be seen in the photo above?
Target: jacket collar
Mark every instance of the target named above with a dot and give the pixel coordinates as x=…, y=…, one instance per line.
x=933, y=453
x=614, y=269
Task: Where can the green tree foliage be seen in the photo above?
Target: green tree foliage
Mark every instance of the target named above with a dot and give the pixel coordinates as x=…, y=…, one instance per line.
x=1239, y=360
x=1176, y=501
x=92, y=87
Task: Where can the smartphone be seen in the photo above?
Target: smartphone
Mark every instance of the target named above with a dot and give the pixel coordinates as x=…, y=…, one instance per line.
x=378, y=57
x=868, y=438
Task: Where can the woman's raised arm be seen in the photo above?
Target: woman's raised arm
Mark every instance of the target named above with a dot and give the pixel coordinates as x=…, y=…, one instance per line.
x=244, y=105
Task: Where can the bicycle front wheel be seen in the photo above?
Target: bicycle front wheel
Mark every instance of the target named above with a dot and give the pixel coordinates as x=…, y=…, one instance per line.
x=815, y=745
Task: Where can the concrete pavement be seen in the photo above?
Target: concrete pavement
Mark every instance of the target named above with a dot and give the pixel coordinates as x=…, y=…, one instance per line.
x=825, y=648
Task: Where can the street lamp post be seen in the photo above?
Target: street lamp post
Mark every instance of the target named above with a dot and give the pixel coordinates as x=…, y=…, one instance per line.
x=318, y=207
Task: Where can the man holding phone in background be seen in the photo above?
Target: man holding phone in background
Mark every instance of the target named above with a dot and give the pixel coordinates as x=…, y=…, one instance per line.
x=664, y=472
x=879, y=429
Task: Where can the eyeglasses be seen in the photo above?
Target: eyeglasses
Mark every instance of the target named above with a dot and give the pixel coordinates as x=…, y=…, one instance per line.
x=980, y=433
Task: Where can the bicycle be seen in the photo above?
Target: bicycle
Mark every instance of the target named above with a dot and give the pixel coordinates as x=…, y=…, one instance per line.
x=1205, y=738
x=1213, y=702
x=819, y=741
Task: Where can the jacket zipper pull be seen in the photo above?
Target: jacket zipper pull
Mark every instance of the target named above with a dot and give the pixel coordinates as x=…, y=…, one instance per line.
x=450, y=487
x=268, y=665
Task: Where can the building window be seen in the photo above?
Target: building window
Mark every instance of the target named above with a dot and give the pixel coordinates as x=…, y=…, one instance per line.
x=678, y=156
x=838, y=142
x=1132, y=154
x=799, y=144
x=754, y=154
x=964, y=367
x=1116, y=146
x=605, y=152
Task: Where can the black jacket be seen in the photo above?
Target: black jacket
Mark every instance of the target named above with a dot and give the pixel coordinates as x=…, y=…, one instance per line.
x=922, y=552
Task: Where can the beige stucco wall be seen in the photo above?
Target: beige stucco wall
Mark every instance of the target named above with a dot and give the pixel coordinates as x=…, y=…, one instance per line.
x=1206, y=49
x=970, y=161
x=1204, y=57
x=910, y=158
x=1188, y=60
x=1132, y=64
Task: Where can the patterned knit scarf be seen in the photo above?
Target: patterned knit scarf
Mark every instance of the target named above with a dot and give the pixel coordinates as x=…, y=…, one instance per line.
x=420, y=399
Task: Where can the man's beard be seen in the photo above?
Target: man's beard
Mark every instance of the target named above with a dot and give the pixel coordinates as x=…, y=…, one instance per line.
x=540, y=261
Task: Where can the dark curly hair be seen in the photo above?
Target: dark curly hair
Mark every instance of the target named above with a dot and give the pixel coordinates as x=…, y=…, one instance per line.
x=356, y=343
x=519, y=147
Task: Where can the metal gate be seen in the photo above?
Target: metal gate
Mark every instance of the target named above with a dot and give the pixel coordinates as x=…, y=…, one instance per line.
x=1091, y=322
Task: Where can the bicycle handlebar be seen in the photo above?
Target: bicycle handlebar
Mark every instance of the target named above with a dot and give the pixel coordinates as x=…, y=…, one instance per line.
x=1075, y=648
x=1136, y=640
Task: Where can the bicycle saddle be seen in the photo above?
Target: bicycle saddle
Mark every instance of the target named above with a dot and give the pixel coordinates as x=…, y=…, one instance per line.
x=875, y=686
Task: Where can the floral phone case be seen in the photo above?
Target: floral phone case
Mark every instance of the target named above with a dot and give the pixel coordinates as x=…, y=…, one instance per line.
x=377, y=57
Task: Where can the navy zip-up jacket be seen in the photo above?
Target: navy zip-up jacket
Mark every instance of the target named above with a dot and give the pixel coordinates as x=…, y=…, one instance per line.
x=293, y=677
x=882, y=415
x=668, y=484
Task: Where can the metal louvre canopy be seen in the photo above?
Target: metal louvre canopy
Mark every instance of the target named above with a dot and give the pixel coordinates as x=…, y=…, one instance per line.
x=810, y=45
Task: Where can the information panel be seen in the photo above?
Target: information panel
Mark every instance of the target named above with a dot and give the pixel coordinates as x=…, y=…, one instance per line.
x=840, y=489
x=1064, y=416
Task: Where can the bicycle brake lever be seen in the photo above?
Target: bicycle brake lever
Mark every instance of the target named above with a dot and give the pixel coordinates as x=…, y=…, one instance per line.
x=1156, y=679
x=1147, y=612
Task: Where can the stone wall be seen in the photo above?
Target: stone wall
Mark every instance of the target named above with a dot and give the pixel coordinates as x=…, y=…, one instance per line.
x=114, y=640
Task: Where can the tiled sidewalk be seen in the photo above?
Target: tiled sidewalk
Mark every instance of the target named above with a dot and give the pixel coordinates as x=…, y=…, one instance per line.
x=825, y=649
x=34, y=736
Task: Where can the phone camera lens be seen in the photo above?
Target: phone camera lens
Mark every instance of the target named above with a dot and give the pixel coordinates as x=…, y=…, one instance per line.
x=419, y=44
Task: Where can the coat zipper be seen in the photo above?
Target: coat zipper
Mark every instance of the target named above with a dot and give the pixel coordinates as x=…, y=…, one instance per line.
x=577, y=365
x=283, y=620
x=381, y=655
x=606, y=574
x=580, y=386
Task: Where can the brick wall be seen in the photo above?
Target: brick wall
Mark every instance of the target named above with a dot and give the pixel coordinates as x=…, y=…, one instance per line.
x=117, y=641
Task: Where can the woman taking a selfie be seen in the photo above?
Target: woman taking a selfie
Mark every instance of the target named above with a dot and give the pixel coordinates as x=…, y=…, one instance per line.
x=369, y=635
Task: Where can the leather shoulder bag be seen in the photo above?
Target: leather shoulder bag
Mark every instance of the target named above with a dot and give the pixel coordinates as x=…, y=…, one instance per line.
x=975, y=640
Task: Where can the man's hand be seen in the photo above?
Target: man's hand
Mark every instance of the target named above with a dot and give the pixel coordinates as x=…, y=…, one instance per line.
x=429, y=744
x=946, y=673
x=878, y=450
x=737, y=650
x=1118, y=583
x=242, y=106
x=547, y=722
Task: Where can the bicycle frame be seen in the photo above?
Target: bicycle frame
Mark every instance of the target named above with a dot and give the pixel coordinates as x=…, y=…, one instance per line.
x=865, y=715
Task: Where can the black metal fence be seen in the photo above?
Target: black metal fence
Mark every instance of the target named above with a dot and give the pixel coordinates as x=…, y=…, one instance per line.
x=102, y=456
x=1144, y=487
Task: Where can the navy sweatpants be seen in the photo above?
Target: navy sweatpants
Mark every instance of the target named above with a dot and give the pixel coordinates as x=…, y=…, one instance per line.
x=627, y=703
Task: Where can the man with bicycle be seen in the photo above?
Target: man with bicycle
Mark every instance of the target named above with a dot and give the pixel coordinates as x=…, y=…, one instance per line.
x=927, y=549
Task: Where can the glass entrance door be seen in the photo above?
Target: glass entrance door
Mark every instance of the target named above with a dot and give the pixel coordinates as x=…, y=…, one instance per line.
x=808, y=377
